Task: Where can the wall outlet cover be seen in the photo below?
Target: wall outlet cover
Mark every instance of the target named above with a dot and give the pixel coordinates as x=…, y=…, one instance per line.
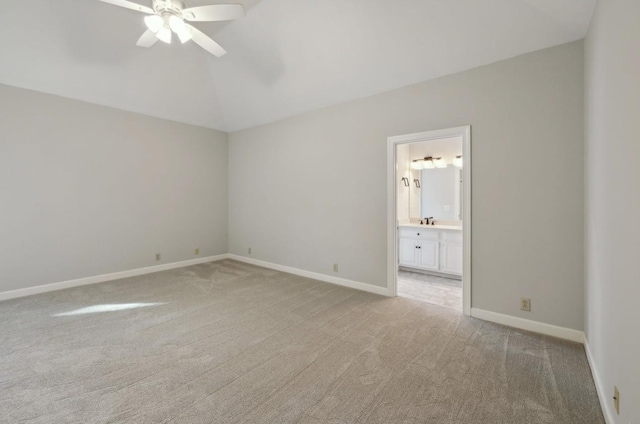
x=525, y=304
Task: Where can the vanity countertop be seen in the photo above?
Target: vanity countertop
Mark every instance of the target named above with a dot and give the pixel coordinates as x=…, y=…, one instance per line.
x=432, y=227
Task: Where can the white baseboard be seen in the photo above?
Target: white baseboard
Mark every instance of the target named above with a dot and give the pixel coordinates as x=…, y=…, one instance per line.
x=12, y=294
x=525, y=324
x=602, y=393
x=314, y=275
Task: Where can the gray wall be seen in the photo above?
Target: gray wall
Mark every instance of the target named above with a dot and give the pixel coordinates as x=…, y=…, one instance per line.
x=311, y=190
x=612, y=87
x=87, y=190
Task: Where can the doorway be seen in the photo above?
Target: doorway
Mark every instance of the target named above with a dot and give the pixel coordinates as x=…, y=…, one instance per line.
x=430, y=259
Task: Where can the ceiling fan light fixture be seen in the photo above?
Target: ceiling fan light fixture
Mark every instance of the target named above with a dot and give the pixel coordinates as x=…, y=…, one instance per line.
x=164, y=34
x=154, y=23
x=169, y=16
x=178, y=26
x=185, y=35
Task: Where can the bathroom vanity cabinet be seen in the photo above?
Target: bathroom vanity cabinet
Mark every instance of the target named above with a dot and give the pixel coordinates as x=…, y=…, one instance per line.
x=431, y=248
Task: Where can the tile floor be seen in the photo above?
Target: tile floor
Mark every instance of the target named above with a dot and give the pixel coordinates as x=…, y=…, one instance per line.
x=439, y=291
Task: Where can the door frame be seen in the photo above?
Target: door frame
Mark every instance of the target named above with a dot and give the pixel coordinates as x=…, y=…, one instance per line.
x=392, y=208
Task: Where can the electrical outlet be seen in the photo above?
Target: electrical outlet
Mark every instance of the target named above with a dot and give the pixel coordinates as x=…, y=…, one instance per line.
x=616, y=399
x=157, y=256
x=197, y=251
x=335, y=267
x=249, y=250
x=525, y=304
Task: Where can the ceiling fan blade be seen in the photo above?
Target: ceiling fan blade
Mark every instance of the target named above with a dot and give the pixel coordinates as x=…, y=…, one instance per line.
x=213, y=12
x=147, y=39
x=130, y=5
x=203, y=40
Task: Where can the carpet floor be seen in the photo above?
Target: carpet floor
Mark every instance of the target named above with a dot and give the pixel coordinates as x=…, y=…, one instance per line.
x=227, y=342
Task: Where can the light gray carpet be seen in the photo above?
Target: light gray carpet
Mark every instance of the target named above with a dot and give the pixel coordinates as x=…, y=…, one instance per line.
x=228, y=342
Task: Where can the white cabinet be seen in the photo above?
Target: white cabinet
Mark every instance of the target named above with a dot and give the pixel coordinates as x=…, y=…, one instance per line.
x=431, y=249
x=451, y=252
x=408, y=252
x=428, y=254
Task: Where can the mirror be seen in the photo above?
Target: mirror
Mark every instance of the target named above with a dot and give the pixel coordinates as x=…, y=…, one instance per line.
x=436, y=193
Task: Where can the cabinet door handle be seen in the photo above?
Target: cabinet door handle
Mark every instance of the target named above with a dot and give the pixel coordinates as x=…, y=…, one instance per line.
x=418, y=233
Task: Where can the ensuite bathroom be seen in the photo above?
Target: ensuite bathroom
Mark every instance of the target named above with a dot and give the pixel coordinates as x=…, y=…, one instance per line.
x=429, y=218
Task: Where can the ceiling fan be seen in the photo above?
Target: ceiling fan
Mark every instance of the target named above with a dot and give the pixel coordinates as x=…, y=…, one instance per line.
x=168, y=16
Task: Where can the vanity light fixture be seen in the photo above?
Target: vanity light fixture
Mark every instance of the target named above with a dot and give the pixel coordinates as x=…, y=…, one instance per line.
x=439, y=163
x=428, y=163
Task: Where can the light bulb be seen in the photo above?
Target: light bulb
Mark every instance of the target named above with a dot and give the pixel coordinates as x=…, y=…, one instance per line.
x=178, y=26
x=185, y=35
x=416, y=164
x=440, y=163
x=153, y=22
x=428, y=163
x=457, y=162
x=164, y=34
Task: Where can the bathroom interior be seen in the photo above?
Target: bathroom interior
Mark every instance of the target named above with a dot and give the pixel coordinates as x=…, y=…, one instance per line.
x=429, y=213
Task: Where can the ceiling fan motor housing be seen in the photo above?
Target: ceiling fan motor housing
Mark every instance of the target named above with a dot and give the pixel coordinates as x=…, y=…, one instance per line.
x=172, y=6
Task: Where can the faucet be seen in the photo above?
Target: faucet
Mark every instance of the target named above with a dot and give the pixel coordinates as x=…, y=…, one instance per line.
x=428, y=221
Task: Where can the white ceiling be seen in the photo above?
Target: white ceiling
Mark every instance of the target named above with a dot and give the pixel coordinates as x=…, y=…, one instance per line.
x=284, y=58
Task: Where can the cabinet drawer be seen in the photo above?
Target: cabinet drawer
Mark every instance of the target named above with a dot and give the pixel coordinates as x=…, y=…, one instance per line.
x=419, y=233
x=453, y=236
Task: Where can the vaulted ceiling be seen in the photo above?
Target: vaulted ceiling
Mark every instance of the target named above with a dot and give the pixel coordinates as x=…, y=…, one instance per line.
x=285, y=57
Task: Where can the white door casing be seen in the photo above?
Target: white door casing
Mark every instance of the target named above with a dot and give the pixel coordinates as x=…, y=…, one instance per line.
x=392, y=220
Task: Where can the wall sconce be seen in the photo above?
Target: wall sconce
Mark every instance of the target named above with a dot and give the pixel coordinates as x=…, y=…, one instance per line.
x=417, y=164
x=457, y=162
